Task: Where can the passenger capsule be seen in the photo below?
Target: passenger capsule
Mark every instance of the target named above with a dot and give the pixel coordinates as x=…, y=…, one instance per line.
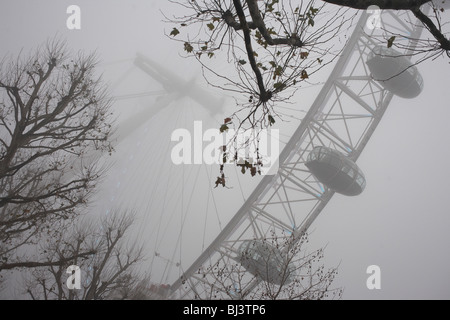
x=335, y=170
x=395, y=72
x=266, y=262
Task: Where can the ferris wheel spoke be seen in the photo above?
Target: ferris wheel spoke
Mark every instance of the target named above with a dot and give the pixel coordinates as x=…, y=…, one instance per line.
x=403, y=26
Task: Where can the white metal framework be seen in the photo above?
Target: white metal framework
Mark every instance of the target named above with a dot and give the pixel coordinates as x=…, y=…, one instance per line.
x=343, y=117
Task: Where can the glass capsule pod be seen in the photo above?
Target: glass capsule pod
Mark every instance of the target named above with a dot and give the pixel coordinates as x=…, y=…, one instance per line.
x=395, y=72
x=265, y=261
x=335, y=170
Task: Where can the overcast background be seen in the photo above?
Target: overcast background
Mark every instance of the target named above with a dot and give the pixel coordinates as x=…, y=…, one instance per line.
x=400, y=222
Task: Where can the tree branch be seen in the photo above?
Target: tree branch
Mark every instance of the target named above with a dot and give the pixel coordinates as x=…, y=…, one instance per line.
x=294, y=40
x=35, y=264
x=443, y=41
x=382, y=4
x=264, y=95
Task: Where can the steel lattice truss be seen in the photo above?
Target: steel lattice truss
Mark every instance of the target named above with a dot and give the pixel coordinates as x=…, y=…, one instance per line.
x=343, y=117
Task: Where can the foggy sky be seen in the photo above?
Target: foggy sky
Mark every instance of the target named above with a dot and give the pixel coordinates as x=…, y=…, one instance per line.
x=400, y=222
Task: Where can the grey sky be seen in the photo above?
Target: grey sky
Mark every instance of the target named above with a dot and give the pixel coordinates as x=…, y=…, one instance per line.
x=400, y=222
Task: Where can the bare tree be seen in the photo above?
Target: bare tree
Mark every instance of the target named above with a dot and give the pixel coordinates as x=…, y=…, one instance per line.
x=272, y=46
x=54, y=111
x=112, y=271
x=275, y=45
x=274, y=268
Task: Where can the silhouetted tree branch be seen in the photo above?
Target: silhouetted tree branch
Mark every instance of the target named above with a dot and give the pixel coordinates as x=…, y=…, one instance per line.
x=412, y=5
x=273, y=46
x=111, y=268
x=54, y=112
x=382, y=4
x=32, y=264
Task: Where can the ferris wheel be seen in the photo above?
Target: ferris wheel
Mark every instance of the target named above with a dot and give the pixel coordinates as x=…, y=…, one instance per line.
x=318, y=160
